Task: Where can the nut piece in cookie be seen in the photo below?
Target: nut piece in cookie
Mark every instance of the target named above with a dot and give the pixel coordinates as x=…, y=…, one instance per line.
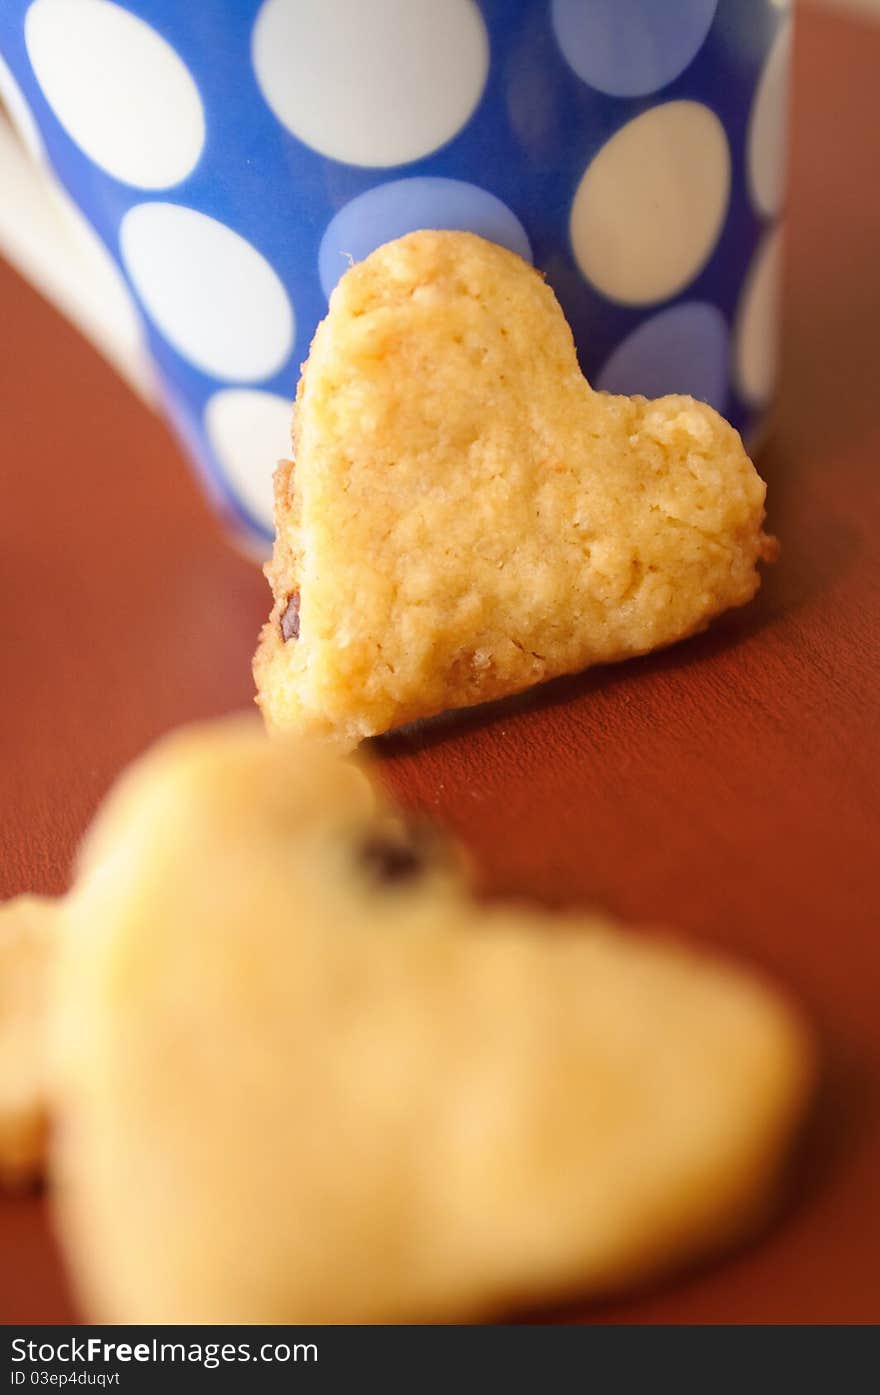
x=27, y=939
x=303, y=1076
x=466, y=516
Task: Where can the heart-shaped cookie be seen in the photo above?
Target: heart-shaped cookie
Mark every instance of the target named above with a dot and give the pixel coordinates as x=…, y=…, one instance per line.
x=465, y=516
x=303, y=1077
x=27, y=939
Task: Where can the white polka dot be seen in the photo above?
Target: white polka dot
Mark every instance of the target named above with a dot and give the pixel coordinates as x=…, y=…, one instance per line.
x=212, y=294
x=768, y=128
x=118, y=88
x=757, y=323
x=681, y=349
x=650, y=206
x=630, y=47
x=19, y=112
x=250, y=432
x=371, y=83
x=406, y=205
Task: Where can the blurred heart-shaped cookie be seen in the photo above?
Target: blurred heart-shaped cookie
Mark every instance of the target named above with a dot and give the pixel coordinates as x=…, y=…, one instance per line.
x=28, y=931
x=302, y=1076
x=465, y=516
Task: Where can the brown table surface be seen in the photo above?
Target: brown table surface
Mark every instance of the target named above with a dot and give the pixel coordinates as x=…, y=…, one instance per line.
x=728, y=787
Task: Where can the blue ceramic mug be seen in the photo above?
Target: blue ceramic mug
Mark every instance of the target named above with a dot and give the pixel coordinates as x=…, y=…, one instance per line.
x=233, y=156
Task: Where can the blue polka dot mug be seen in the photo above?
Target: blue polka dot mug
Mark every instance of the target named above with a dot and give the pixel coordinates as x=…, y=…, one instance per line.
x=222, y=163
